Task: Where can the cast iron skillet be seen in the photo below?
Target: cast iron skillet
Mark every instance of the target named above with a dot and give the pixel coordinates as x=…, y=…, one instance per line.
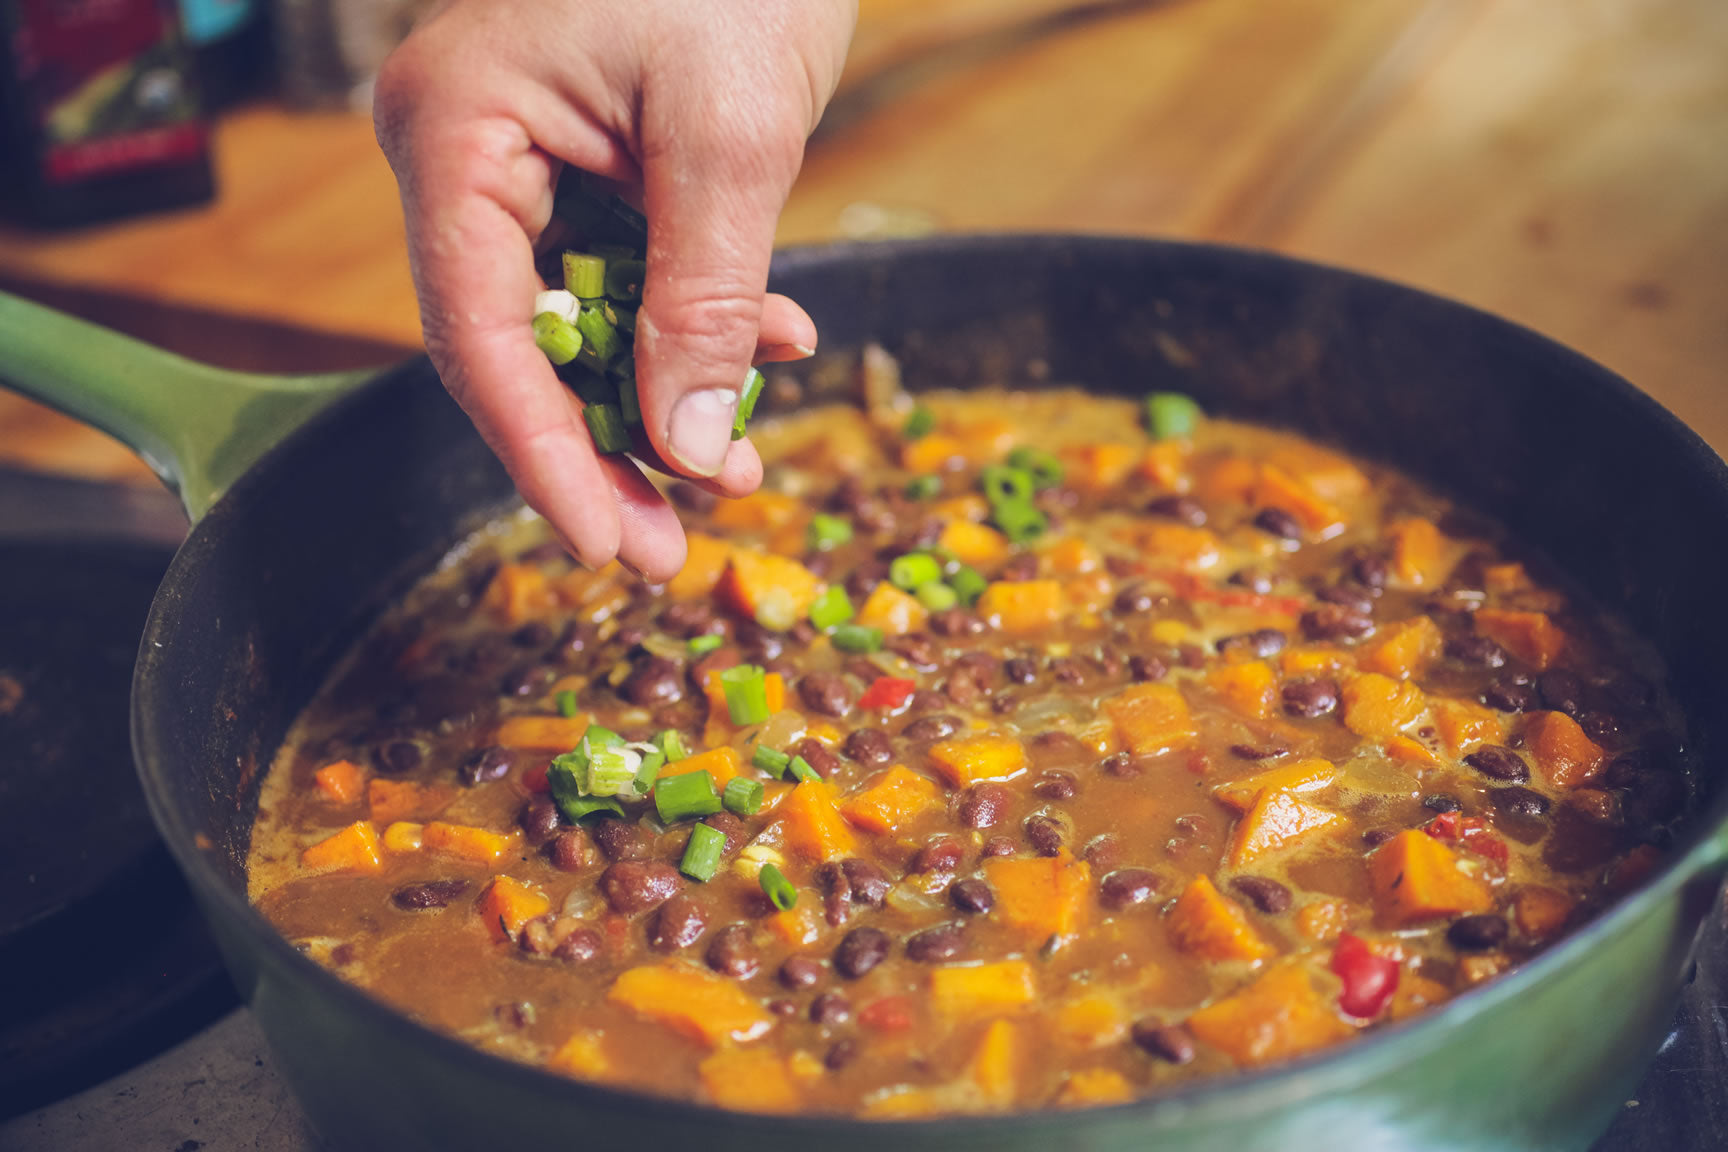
x=285, y=570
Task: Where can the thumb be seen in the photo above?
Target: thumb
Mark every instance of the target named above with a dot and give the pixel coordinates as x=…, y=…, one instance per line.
x=713, y=189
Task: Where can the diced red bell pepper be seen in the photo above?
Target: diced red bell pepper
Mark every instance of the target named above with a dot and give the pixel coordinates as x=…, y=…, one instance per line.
x=888, y=692
x=1470, y=832
x=1446, y=826
x=889, y=1014
x=1369, y=978
x=534, y=779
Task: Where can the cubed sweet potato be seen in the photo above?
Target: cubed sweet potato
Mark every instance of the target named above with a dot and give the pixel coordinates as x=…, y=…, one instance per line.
x=973, y=758
x=893, y=800
x=1210, y=925
x=761, y=513
x=1422, y=557
x=1101, y=465
x=1150, y=718
x=404, y=836
x=983, y=989
x=758, y=585
x=1323, y=920
x=1276, y=488
x=812, y=824
x=1092, y=1087
x=1276, y=821
x=1410, y=750
x=507, y=903
x=391, y=800
x=1021, y=605
x=1249, y=689
x=1540, y=911
x=1377, y=706
x=518, y=593
x=1042, y=896
x=480, y=845
x=995, y=1067
x=1302, y=777
x=936, y=452
x=1190, y=549
x=1331, y=476
x=704, y=563
x=1280, y=1015
x=1090, y=1021
x=1532, y=637
x=696, y=1004
x=1165, y=464
x=1072, y=556
x=1465, y=725
x=340, y=781
x=1416, y=878
x=1565, y=754
x=1228, y=478
x=976, y=544
x=583, y=1056
x=1402, y=650
x=721, y=764
x=749, y=1080
x=893, y=611
x=354, y=849
x=554, y=734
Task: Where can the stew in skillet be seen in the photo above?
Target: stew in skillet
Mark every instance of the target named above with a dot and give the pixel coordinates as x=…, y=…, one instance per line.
x=1006, y=751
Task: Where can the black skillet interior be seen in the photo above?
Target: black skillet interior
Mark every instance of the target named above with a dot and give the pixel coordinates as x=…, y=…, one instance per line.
x=282, y=575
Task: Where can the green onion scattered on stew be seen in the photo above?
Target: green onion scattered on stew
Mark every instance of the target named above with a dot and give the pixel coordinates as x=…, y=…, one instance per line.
x=1045, y=469
x=779, y=889
x=799, y=769
x=566, y=702
x=923, y=487
x=856, y=638
x=1171, y=415
x=746, y=689
x=914, y=570
x=741, y=796
x=771, y=760
x=831, y=609
x=671, y=745
x=685, y=796
x=919, y=424
x=828, y=532
x=702, y=854
x=937, y=596
x=702, y=645
x=968, y=584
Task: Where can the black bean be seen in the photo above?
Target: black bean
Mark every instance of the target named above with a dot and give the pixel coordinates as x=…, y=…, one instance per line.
x=863, y=579
x=1594, y=806
x=654, y=680
x=1278, y=523
x=1067, y=671
x=830, y=1009
x=1191, y=656
x=688, y=618
x=429, y=894
x=484, y=765
x=1165, y=1041
x=816, y=755
x=1600, y=726
x=1370, y=569
x=963, y=687
x=1498, y=762
x=1127, y=887
x=633, y=886
x=1561, y=691
x=1144, y=668
x=984, y=805
x=840, y=1053
x=860, y=950
x=1102, y=852
x=1182, y=509
x=1020, y=566
x=716, y=661
x=1310, y=697
x=1120, y=765
x=620, y=839
x=1374, y=837
x=1353, y=597
x=582, y=944
x=539, y=819
x=1477, y=933
x=1254, y=580
x=783, y=1008
x=997, y=846
x=928, y=728
x=836, y=893
x=1336, y=622
x=571, y=850
x=732, y=828
x=971, y=895
x=398, y=757
x=934, y=945
x=1260, y=644
x=1652, y=798
x=868, y=746
x=1020, y=670
x=678, y=923
x=955, y=622
x=526, y=680
x=800, y=971
x=1056, y=786
x=941, y=856
x=869, y=883
x=731, y=953
x=1510, y=695
x=1270, y=750
x=1476, y=650
x=1134, y=599
x=1264, y=893
x=1519, y=801
x=1442, y=802
x=1045, y=834
x=826, y=693
x=916, y=649
x=534, y=634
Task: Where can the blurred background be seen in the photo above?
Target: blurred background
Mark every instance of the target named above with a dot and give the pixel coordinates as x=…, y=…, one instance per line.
x=1561, y=162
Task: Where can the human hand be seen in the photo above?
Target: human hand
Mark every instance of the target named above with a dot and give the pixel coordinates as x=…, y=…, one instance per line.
x=700, y=106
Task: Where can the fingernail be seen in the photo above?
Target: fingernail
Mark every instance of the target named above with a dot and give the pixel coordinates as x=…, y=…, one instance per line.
x=700, y=431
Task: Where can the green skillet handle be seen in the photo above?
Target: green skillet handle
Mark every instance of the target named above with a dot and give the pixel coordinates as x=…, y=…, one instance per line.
x=198, y=427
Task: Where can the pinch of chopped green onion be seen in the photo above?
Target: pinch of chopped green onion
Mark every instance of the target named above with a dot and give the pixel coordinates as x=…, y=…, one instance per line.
x=611, y=252
x=923, y=487
x=937, y=596
x=629, y=401
x=778, y=610
x=856, y=638
x=591, y=387
x=558, y=302
x=652, y=762
x=771, y=760
x=702, y=853
x=566, y=703
x=556, y=337
x=577, y=807
x=828, y=532
x=778, y=889
x=599, y=338
x=702, y=645
x=611, y=770
x=746, y=688
x=584, y=275
x=741, y=796
x=624, y=280
x=919, y=424
x=689, y=794
x=600, y=736
x=968, y=584
x=1005, y=485
x=799, y=769
x=747, y=397
x=1171, y=415
x=606, y=425
x=626, y=320
x=914, y=570
x=567, y=785
x=1019, y=521
x=831, y=609
x=671, y=744
x=1045, y=469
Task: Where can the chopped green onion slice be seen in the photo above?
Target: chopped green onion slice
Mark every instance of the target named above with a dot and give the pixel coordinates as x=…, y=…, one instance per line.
x=742, y=796
x=624, y=280
x=584, y=275
x=567, y=785
x=566, y=701
x=937, y=596
x=671, y=745
x=559, y=302
x=1005, y=485
x=591, y=387
x=923, y=487
x=606, y=425
x=599, y=736
x=799, y=769
x=652, y=761
x=612, y=252
x=1171, y=415
x=685, y=795
x=968, y=584
x=777, y=610
x=577, y=807
x=599, y=337
x=611, y=770
x=1045, y=469
x=856, y=638
x=828, y=532
x=920, y=423
x=914, y=570
x=626, y=319
x=1019, y=522
x=771, y=760
x=556, y=337
x=746, y=688
x=779, y=889
x=702, y=645
x=702, y=853
x=747, y=397
x=629, y=402
x=831, y=609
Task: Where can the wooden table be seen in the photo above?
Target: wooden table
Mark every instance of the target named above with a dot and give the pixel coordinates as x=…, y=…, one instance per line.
x=1557, y=161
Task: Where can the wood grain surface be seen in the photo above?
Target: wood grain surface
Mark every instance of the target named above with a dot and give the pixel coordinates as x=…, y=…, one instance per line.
x=1561, y=162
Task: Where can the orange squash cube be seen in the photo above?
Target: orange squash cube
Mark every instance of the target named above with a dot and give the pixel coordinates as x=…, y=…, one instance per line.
x=1212, y=926
x=704, y=563
x=721, y=764
x=1021, y=605
x=1565, y=754
x=893, y=611
x=975, y=544
x=971, y=759
x=555, y=734
x=1277, y=820
x=1377, y=706
x=696, y=1004
x=1250, y=689
x=1150, y=718
x=1465, y=725
x=354, y=849
x=749, y=1080
x=479, y=845
x=1303, y=776
x=391, y=800
x=1402, y=651
x=1042, y=896
x=507, y=904
x=754, y=581
x=1421, y=555
x=517, y=593
x=895, y=799
x=1530, y=636
x=812, y=824
x=983, y=989
x=1416, y=878
x=1280, y=1015
x=341, y=781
